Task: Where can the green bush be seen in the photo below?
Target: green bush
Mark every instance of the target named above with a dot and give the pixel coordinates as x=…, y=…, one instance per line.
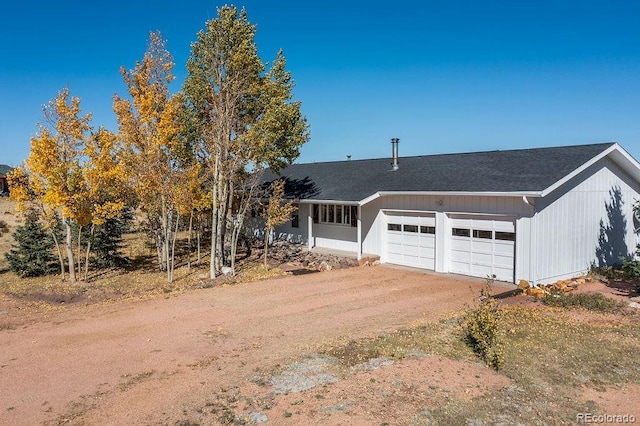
x=33, y=255
x=481, y=332
x=589, y=301
x=631, y=268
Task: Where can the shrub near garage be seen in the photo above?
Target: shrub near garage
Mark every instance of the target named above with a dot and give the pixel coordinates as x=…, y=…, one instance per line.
x=481, y=326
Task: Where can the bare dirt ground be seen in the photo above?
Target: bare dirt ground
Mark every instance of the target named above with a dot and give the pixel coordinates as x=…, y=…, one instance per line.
x=164, y=361
x=245, y=354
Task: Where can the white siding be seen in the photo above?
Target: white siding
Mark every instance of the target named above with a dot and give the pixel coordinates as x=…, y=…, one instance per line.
x=374, y=221
x=295, y=235
x=336, y=237
x=568, y=223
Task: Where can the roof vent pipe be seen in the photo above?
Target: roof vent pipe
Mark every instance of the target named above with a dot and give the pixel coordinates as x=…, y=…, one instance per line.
x=394, y=153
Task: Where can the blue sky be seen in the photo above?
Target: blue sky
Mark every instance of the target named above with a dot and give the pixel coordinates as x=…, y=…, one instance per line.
x=445, y=76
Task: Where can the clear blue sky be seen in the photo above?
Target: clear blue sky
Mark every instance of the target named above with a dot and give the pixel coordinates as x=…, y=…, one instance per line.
x=443, y=76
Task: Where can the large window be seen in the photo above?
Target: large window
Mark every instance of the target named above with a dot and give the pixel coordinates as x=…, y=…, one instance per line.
x=337, y=214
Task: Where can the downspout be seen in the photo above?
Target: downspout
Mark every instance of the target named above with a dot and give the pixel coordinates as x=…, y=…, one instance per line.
x=531, y=245
x=359, y=223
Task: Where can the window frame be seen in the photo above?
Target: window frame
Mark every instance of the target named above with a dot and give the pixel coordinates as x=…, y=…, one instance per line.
x=335, y=214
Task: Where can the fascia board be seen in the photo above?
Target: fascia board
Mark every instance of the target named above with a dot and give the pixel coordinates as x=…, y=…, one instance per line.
x=616, y=153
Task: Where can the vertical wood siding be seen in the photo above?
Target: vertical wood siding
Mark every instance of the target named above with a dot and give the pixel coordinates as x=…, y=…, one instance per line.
x=568, y=223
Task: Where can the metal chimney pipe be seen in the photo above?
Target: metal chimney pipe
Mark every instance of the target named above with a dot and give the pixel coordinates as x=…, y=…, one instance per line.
x=394, y=153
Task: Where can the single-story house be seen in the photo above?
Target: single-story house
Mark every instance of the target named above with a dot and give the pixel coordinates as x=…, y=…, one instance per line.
x=539, y=215
x=3, y=178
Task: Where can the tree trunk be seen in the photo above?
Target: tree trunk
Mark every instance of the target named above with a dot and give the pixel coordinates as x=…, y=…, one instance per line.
x=267, y=231
x=79, y=249
x=69, y=247
x=189, y=241
x=198, y=238
x=214, y=219
x=222, y=225
x=214, y=234
x=172, y=258
x=86, y=259
x=59, y=250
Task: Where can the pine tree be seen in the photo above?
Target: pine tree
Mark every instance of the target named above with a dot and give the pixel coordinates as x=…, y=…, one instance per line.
x=33, y=256
x=107, y=241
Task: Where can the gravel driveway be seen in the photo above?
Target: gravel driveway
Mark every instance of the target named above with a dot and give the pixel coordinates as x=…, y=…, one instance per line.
x=155, y=361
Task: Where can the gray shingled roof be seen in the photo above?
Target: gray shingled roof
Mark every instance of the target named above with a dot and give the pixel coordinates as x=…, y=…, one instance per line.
x=521, y=170
x=4, y=169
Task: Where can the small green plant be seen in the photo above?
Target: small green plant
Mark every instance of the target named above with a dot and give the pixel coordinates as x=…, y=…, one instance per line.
x=591, y=301
x=482, y=325
x=630, y=267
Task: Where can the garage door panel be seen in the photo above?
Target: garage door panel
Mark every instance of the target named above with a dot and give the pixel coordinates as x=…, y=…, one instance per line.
x=460, y=267
x=481, y=258
x=505, y=261
x=489, y=249
x=504, y=247
x=411, y=243
x=481, y=270
x=462, y=244
x=410, y=239
x=461, y=256
x=483, y=246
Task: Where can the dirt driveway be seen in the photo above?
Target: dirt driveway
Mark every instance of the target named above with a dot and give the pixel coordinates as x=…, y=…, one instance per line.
x=161, y=361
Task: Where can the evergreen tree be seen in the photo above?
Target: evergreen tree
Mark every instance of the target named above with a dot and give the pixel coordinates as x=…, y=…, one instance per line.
x=33, y=256
x=107, y=240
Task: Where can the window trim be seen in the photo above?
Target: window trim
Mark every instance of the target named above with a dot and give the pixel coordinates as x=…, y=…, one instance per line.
x=327, y=211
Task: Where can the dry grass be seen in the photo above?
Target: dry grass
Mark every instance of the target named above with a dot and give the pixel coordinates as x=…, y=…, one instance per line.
x=140, y=280
x=10, y=216
x=549, y=354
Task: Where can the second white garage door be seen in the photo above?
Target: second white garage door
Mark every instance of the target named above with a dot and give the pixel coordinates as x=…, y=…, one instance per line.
x=411, y=239
x=482, y=246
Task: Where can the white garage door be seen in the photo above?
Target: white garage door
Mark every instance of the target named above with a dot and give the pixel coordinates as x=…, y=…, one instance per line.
x=483, y=247
x=411, y=240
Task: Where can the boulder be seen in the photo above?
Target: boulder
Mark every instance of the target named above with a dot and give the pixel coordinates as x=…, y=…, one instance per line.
x=524, y=285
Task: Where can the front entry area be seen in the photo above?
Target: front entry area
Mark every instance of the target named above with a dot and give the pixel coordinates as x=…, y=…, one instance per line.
x=411, y=239
x=482, y=246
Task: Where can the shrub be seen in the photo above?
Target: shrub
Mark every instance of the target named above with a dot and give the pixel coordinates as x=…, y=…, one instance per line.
x=589, y=301
x=481, y=332
x=33, y=254
x=631, y=268
x=107, y=241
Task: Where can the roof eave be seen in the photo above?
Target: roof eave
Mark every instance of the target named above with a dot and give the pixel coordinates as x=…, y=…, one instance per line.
x=532, y=194
x=619, y=156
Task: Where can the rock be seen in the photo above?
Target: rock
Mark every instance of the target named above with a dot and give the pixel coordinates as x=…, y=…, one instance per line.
x=375, y=263
x=256, y=418
x=324, y=266
x=536, y=292
x=225, y=270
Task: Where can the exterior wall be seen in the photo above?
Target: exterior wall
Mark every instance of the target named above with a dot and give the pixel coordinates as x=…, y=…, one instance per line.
x=373, y=217
x=515, y=208
x=588, y=221
x=335, y=237
x=298, y=235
